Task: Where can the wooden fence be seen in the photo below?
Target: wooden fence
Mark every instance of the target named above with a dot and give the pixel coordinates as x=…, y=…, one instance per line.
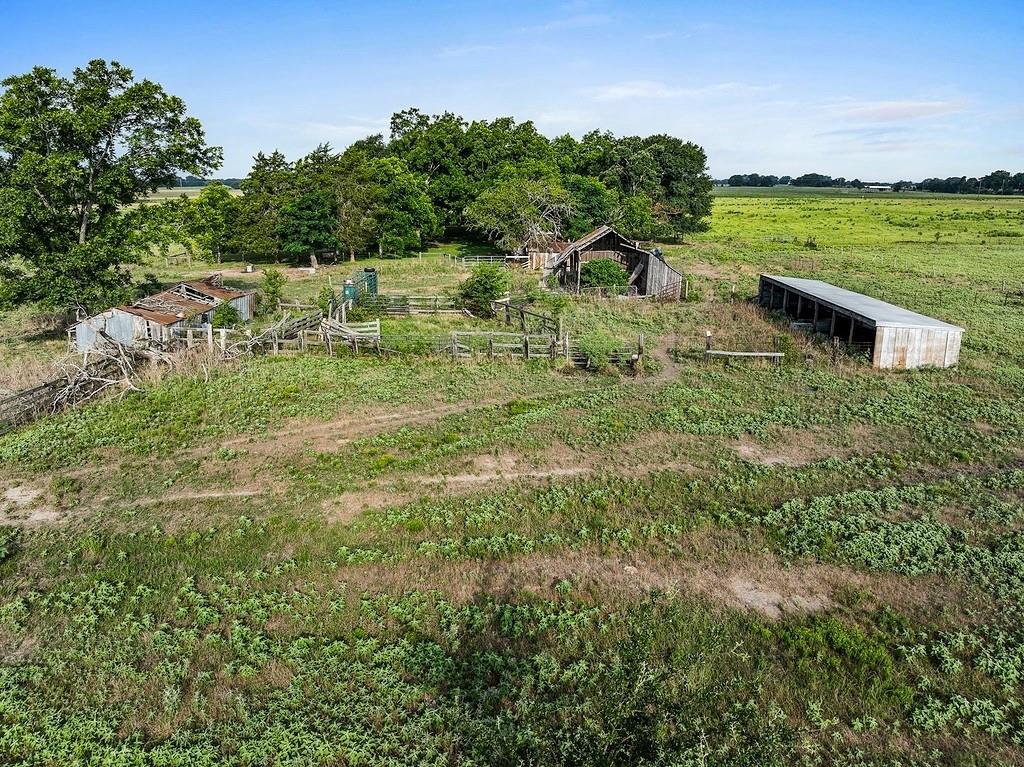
x=525, y=319
x=403, y=305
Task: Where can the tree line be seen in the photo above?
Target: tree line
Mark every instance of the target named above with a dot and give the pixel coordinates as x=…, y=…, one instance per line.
x=80, y=155
x=441, y=174
x=996, y=182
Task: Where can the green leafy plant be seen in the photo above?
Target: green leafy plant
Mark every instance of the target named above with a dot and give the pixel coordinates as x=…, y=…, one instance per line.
x=487, y=283
x=602, y=273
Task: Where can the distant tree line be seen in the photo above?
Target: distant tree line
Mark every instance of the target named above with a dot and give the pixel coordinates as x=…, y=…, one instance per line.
x=80, y=157
x=196, y=181
x=996, y=182
x=441, y=174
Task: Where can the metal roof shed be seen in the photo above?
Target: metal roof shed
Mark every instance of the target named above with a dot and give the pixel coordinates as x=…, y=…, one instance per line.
x=895, y=337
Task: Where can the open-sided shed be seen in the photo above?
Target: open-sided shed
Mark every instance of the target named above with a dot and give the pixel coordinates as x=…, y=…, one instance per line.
x=893, y=336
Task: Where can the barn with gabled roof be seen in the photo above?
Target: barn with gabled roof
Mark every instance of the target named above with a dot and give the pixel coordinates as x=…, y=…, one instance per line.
x=649, y=274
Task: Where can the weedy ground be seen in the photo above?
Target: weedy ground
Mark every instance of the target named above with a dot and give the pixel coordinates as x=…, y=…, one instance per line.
x=311, y=560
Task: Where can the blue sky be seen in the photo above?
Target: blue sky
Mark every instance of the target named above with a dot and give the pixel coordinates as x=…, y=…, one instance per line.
x=868, y=89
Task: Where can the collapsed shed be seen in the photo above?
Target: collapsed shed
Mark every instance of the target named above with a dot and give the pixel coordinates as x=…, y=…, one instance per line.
x=892, y=336
x=649, y=275
x=154, y=318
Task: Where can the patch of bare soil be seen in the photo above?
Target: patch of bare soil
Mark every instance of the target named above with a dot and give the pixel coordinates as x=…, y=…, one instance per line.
x=23, y=506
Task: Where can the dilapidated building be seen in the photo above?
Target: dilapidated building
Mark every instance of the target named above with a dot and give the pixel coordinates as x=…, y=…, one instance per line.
x=648, y=273
x=154, y=318
x=892, y=337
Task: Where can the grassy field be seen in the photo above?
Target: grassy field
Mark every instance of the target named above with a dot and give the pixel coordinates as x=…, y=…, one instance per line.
x=310, y=560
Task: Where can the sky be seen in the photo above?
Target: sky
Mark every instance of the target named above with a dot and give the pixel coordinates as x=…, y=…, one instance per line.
x=870, y=90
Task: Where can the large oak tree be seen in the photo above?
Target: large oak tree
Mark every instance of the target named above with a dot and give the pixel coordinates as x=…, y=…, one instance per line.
x=75, y=154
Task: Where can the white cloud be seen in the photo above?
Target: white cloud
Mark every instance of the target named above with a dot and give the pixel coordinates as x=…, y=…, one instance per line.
x=892, y=111
x=652, y=89
x=571, y=22
x=457, y=51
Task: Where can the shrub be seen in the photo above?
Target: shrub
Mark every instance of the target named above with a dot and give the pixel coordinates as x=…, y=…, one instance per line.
x=271, y=288
x=598, y=347
x=323, y=299
x=602, y=273
x=225, y=316
x=488, y=282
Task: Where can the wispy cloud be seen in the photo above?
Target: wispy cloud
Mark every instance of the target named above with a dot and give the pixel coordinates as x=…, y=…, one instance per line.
x=660, y=36
x=652, y=89
x=457, y=51
x=894, y=111
x=571, y=22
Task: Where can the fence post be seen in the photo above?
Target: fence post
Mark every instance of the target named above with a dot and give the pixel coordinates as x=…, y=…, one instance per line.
x=707, y=345
x=526, y=347
x=686, y=289
x=209, y=337
x=776, y=346
x=490, y=347
x=554, y=348
x=835, y=350
x=565, y=346
x=455, y=346
x=223, y=339
x=189, y=337
x=302, y=340
x=640, y=348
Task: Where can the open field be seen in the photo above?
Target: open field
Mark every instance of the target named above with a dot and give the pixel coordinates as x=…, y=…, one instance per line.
x=353, y=560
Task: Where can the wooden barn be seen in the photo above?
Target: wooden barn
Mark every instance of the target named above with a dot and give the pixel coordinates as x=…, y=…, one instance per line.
x=153, y=318
x=893, y=337
x=647, y=270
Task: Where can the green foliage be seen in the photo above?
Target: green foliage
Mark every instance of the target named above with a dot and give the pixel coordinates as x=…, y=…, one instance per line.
x=487, y=283
x=65, y=233
x=225, y=316
x=519, y=212
x=602, y=273
x=271, y=287
x=307, y=224
x=598, y=347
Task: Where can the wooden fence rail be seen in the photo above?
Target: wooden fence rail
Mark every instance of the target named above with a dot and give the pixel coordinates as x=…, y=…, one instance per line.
x=399, y=305
x=524, y=318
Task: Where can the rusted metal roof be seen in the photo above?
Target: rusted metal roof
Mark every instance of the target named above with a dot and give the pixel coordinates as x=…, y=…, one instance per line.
x=207, y=287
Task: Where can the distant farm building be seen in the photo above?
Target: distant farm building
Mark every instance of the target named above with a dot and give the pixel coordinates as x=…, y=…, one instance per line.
x=154, y=318
x=649, y=275
x=894, y=337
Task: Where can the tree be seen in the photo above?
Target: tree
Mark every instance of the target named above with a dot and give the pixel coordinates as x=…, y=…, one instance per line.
x=683, y=194
x=518, y=212
x=487, y=283
x=593, y=204
x=266, y=190
x=74, y=154
x=602, y=273
x=213, y=214
x=636, y=218
x=307, y=224
x=401, y=214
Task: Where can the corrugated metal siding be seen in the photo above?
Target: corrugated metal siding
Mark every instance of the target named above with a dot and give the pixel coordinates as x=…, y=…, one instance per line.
x=245, y=306
x=906, y=348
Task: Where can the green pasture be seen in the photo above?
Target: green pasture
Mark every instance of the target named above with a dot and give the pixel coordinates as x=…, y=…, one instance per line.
x=361, y=561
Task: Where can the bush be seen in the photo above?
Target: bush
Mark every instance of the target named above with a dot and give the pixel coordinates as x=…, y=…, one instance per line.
x=488, y=282
x=598, y=347
x=271, y=288
x=323, y=299
x=225, y=316
x=602, y=273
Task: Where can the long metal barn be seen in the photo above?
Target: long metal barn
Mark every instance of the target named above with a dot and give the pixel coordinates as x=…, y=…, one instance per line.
x=894, y=337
